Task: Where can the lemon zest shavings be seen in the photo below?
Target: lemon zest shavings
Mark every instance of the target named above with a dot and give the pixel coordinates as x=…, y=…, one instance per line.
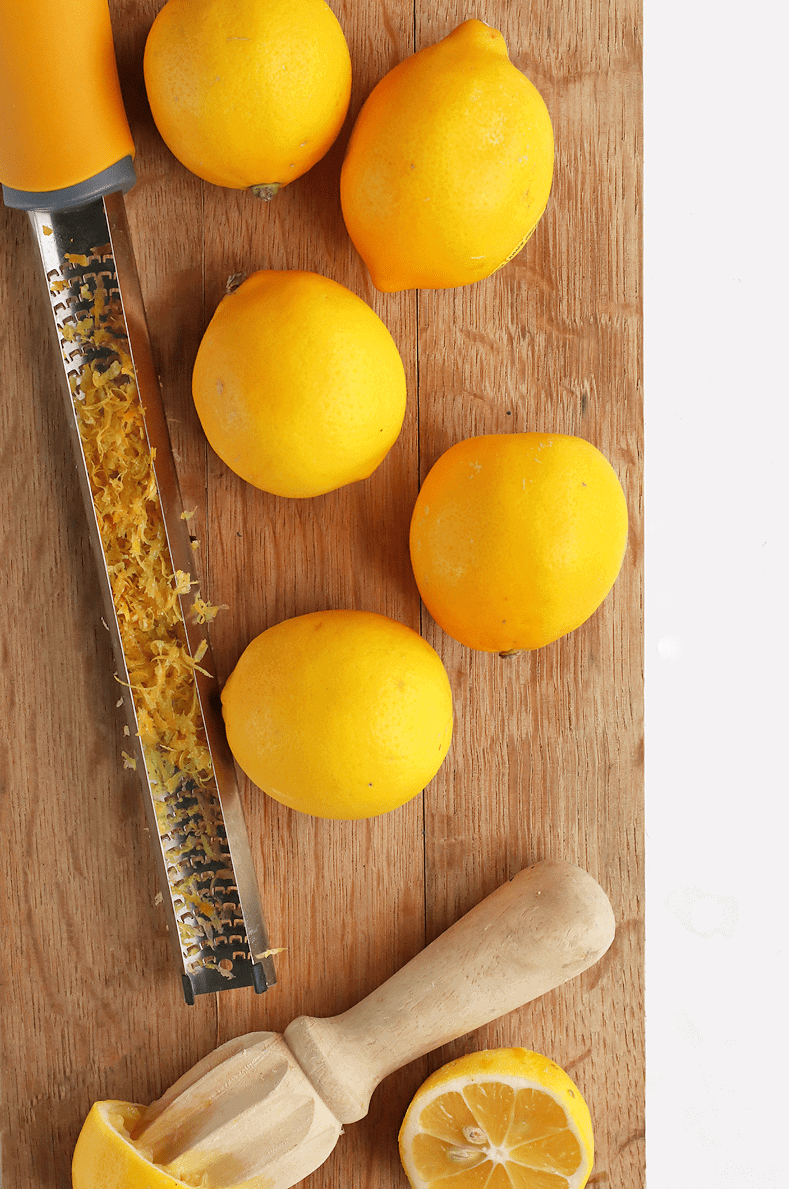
x=147, y=592
x=204, y=612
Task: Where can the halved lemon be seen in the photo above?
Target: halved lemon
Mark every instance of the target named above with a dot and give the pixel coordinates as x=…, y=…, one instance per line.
x=106, y=1158
x=498, y=1119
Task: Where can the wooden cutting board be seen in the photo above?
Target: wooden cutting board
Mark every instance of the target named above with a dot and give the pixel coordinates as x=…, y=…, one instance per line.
x=547, y=753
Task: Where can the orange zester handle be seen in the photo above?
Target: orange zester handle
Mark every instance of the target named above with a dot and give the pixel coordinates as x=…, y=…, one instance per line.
x=62, y=119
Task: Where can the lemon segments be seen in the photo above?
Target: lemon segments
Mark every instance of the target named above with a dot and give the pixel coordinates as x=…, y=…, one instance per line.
x=298, y=384
x=516, y=539
x=449, y=165
x=500, y=1119
x=339, y=714
x=248, y=94
x=105, y=1157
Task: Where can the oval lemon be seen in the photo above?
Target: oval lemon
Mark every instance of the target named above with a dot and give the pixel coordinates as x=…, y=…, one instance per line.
x=339, y=714
x=516, y=539
x=299, y=386
x=449, y=165
x=248, y=93
x=508, y=1118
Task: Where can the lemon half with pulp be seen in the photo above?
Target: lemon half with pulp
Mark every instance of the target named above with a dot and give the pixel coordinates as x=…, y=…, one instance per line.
x=498, y=1119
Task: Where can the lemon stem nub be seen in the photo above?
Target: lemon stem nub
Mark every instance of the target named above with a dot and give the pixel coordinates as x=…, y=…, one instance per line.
x=266, y=190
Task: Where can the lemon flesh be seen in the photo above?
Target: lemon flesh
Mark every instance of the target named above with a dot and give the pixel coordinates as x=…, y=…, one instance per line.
x=500, y=1119
x=106, y=1158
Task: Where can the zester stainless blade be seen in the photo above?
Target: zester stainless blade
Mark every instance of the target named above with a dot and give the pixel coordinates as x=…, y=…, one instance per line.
x=152, y=604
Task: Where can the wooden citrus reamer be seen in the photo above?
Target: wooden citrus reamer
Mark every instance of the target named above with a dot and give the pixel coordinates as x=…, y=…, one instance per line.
x=263, y=1111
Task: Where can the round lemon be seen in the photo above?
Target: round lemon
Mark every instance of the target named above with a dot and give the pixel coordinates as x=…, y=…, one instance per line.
x=106, y=1158
x=449, y=165
x=298, y=384
x=516, y=539
x=507, y=1118
x=339, y=714
x=247, y=93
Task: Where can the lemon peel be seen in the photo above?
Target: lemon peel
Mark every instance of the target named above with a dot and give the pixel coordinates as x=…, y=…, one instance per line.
x=516, y=539
x=449, y=165
x=105, y=1155
x=298, y=384
x=339, y=714
x=248, y=95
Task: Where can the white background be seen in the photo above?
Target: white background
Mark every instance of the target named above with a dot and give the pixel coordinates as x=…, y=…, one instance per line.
x=717, y=503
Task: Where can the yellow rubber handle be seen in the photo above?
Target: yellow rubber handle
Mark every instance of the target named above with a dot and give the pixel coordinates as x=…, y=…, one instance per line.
x=62, y=119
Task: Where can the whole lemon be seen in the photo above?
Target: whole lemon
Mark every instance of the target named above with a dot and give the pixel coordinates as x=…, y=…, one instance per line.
x=339, y=714
x=298, y=384
x=516, y=539
x=247, y=93
x=449, y=165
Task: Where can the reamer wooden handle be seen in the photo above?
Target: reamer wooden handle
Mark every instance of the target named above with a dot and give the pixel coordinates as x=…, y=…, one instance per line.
x=549, y=923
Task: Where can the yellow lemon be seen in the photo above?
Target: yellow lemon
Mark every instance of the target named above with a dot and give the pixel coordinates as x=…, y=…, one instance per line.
x=516, y=539
x=500, y=1119
x=106, y=1158
x=449, y=165
x=339, y=714
x=247, y=93
x=298, y=384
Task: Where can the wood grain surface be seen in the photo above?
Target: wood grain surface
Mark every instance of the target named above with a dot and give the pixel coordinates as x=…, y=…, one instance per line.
x=547, y=752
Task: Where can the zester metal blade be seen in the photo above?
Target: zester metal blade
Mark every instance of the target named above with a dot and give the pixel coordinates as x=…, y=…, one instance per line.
x=176, y=738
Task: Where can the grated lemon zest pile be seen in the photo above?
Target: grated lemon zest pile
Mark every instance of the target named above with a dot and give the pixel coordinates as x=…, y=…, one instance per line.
x=146, y=592
x=145, y=589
